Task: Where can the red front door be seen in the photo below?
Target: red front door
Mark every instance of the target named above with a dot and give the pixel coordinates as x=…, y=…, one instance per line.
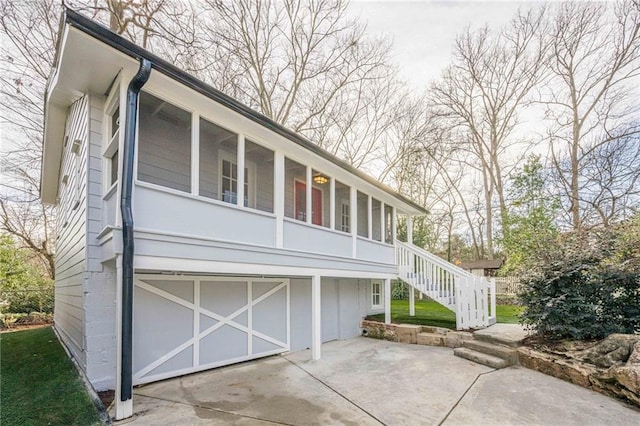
x=301, y=203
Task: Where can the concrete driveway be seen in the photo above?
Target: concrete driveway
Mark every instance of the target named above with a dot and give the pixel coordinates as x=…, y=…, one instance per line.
x=367, y=381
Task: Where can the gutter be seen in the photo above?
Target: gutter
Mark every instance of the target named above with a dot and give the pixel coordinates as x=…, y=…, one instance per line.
x=126, y=372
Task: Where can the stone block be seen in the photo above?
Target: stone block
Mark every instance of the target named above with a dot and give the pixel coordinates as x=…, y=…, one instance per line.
x=431, y=339
x=408, y=333
x=455, y=339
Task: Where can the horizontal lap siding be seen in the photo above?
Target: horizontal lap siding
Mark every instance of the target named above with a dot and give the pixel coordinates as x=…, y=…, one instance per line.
x=70, y=243
x=100, y=279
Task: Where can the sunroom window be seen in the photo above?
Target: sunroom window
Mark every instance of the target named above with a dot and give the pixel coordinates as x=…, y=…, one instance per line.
x=363, y=215
x=164, y=155
x=343, y=207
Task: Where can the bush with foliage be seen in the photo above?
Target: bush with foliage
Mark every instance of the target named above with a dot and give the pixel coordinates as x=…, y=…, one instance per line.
x=24, y=287
x=591, y=290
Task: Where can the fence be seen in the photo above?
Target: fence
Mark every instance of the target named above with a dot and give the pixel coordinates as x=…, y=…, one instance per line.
x=508, y=285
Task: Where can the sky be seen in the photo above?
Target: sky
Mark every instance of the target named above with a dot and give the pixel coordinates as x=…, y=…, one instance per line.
x=423, y=31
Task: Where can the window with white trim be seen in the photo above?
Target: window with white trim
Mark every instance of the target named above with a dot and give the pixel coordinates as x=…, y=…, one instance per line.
x=345, y=216
x=229, y=180
x=376, y=294
x=110, y=153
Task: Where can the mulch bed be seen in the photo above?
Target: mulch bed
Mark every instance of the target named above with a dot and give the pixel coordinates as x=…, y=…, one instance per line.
x=107, y=397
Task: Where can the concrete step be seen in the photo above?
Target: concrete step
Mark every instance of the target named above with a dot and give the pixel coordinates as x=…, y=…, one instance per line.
x=502, y=334
x=480, y=358
x=509, y=354
x=432, y=339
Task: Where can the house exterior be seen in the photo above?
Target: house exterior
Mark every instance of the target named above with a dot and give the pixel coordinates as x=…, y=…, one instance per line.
x=483, y=267
x=194, y=232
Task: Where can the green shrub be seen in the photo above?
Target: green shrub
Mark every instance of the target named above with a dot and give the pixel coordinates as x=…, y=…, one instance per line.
x=24, y=287
x=584, y=294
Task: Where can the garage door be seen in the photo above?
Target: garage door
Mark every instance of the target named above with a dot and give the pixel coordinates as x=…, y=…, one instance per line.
x=187, y=324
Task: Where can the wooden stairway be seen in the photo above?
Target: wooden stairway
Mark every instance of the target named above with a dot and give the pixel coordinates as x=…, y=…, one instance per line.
x=458, y=290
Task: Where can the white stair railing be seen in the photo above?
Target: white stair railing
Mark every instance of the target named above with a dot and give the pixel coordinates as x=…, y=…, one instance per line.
x=453, y=287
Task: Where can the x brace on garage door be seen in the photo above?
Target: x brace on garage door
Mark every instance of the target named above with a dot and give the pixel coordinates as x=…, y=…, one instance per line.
x=185, y=324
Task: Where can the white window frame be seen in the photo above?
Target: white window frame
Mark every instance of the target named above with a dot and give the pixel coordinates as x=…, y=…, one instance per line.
x=376, y=293
x=111, y=142
x=345, y=216
x=251, y=183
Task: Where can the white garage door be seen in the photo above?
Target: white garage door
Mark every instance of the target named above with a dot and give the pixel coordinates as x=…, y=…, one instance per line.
x=187, y=324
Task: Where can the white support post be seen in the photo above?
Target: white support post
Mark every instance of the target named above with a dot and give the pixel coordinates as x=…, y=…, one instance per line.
x=387, y=301
x=369, y=218
x=394, y=223
x=412, y=302
x=316, y=320
x=241, y=176
x=332, y=203
x=383, y=234
x=124, y=409
x=309, y=206
x=195, y=154
x=353, y=226
x=278, y=191
x=492, y=289
x=409, y=229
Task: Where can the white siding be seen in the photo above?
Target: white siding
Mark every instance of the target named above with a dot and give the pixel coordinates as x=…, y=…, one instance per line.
x=100, y=280
x=70, y=261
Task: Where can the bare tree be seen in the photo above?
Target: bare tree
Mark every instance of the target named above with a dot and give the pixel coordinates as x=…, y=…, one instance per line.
x=592, y=103
x=481, y=93
x=303, y=64
x=29, y=31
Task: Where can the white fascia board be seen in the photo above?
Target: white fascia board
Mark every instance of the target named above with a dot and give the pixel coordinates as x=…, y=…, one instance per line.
x=54, y=118
x=196, y=266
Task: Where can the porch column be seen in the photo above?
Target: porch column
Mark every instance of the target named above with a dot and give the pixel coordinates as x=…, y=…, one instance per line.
x=124, y=409
x=241, y=176
x=316, y=320
x=353, y=216
x=332, y=203
x=383, y=228
x=412, y=302
x=278, y=193
x=309, y=207
x=387, y=301
x=369, y=218
x=410, y=229
x=394, y=225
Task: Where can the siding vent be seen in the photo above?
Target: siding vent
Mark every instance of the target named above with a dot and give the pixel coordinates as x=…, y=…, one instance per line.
x=75, y=148
x=65, y=179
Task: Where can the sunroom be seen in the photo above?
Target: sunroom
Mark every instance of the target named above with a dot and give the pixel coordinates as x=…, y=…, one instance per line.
x=199, y=173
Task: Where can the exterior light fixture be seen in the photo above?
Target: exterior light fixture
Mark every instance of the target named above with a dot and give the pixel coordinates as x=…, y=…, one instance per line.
x=320, y=179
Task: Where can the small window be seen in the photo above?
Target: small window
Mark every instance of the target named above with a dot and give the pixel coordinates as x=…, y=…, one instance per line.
x=376, y=294
x=110, y=152
x=229, y=182
x=115, y=121
x=114, y=168
x=345, y=216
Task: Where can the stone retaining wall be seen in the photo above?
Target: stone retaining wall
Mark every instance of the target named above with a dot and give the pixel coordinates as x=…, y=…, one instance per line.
x=414, y=334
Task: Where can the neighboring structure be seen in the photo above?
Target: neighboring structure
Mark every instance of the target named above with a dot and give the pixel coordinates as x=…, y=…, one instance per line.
x=194, y=232
x=483, y=268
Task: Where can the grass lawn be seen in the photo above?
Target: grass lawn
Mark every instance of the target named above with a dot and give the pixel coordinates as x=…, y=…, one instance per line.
x=40, y=385
x=431, y=313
